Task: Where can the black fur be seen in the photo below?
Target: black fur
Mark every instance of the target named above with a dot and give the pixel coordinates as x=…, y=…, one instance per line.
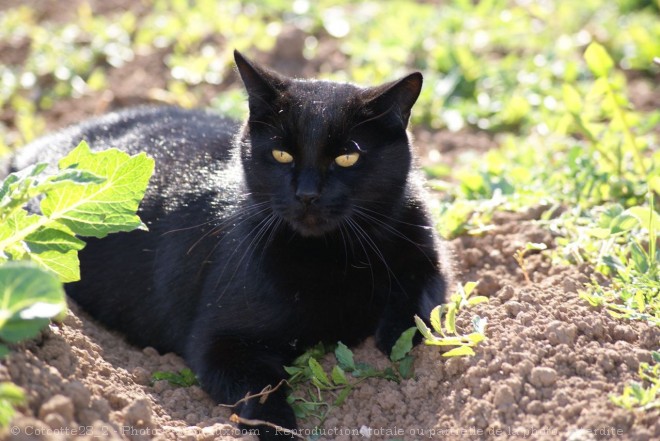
x=248, y=261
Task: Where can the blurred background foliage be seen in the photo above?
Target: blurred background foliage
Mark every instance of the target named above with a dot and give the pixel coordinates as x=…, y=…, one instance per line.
x=494, y=65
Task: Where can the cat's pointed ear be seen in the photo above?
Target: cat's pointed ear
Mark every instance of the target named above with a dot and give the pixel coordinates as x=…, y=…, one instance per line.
x=398, y=96
x=262, y=85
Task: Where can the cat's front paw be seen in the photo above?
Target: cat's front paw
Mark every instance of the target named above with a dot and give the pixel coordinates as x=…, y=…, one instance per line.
x=276, y=412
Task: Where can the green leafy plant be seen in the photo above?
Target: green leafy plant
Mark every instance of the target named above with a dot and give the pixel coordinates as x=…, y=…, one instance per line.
x=30, y=298
x=443, y=322
x=92, y=194
x=634, y=292
x=10, y=397
x=315, y=391
x=183, y=378
x=646, y=395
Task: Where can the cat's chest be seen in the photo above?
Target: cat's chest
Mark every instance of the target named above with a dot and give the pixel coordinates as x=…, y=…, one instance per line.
x=324, y=283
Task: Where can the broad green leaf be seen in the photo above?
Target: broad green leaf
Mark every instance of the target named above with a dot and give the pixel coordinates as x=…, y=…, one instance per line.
x=299, y=410
x=343, y=395
x=99, y=209
x=654, y=184
x=476, y=300
x=406, y=367
x=610, y=213
x=459, y=352
x=4, y=350
x=572, y=99
x=598, y=60
x=426, y=332
x=10, y=396
x=14, y=188
x=29, y=298
x=11, y=393
x=389, y=374
x=445, y=341
x=436, y=318
x=292, y=370
x=469, y=287
x=344, y=357
x=475, y=338
x=75, y=176
x=624, y=222
x=65, y=265
x=12, y=226
x=598, y=233
x=364, y=370
x=532, y=246
x=338, y=375
x=318, y=372
x=639, y=257
x=403, y=344
x=53, y=239
x=646, y=217
x=450, y=320
x=640, y=301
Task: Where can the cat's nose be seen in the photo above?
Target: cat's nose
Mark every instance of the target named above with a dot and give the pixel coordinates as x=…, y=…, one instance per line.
x=307, y=197
x=308, y=187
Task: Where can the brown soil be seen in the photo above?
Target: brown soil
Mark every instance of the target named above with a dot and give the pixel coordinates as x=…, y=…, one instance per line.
x=544, y=373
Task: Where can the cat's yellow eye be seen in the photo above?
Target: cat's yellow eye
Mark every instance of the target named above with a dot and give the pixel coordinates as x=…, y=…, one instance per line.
x=347, y=159
x=282, y=157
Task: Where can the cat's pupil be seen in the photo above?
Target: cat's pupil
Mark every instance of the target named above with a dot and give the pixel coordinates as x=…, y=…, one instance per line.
x=282, y=157
x=347, y=160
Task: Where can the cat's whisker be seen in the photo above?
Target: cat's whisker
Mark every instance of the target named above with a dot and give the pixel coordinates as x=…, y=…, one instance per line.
x=379, y=223
x=193, y=227
x=271, y=220
x=216, y=230
x=222, y=240
x=271, y=235
x=264, y=123
x=353, y=227
x=251, y=234
x=393, y=231
x=374, y=246
x=225, y=220
x=343, y=241
x=398, y=234
x=389, y=218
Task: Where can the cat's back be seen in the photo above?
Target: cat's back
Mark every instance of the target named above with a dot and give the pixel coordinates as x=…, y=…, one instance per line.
x=172, y=136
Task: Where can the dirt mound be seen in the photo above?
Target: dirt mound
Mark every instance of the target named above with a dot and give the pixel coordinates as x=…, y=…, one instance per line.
x=544, y=373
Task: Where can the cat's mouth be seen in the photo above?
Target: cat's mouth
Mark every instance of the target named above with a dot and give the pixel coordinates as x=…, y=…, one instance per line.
x=312, y=224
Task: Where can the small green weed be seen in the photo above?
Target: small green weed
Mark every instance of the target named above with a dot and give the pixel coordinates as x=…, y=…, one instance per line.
x=315, y=392
x=521, y=253
x=621, y=244
x=10, y=397
x=443, y=322
x=183, y=378
x=644, y=396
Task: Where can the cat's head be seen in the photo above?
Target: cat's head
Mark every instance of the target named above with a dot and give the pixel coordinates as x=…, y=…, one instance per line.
x=317, y=151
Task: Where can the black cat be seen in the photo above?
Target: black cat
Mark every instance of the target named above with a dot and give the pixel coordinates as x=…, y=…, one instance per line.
x=304, y=224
